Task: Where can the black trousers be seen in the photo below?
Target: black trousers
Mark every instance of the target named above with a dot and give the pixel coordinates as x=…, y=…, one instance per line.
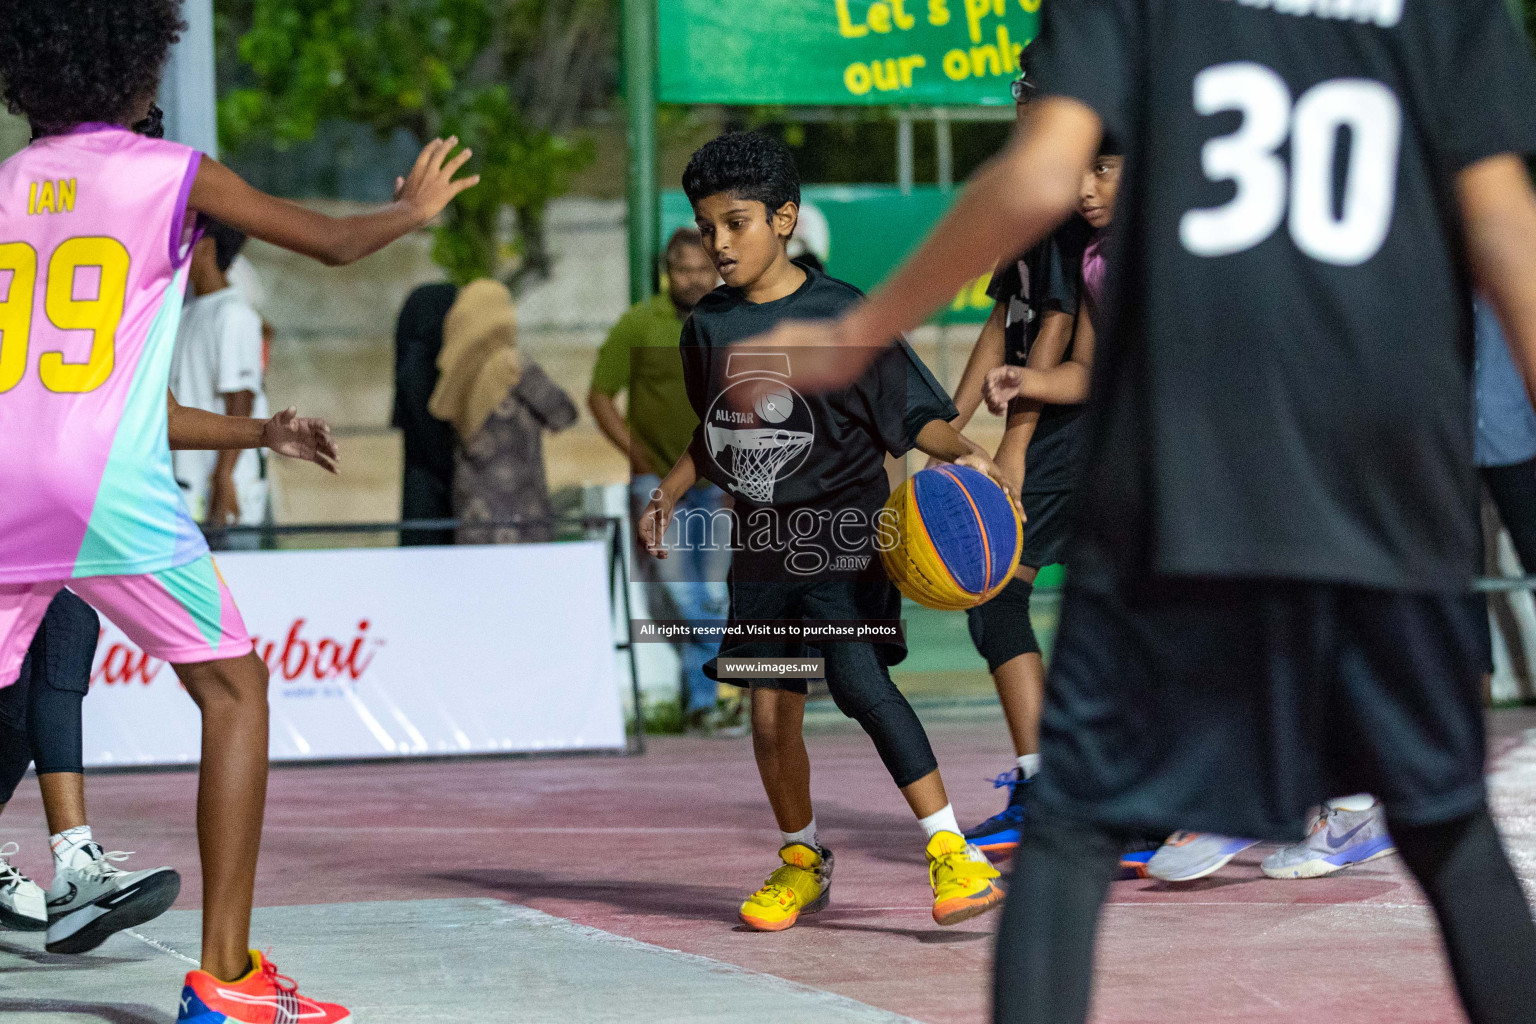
x=1063, y=868
x=40, y=713
x=425, y=494
x=1513, y=489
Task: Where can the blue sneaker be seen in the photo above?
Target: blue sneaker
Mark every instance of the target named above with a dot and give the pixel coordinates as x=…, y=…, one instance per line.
x=998, y=836
x=1133, y=864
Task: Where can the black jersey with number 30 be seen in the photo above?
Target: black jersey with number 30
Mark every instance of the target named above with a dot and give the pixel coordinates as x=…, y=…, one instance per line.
x=1283, y=391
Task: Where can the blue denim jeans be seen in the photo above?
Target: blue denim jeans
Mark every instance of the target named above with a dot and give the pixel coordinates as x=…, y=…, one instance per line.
x=692, y=576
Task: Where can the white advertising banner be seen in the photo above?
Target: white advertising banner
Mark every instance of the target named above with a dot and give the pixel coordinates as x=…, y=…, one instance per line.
x=393, y=652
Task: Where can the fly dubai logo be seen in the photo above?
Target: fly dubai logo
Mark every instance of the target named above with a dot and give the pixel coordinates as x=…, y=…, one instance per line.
x=304, y=655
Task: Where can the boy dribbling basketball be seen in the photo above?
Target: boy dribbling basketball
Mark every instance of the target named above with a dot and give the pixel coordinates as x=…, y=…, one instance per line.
x=810, y=467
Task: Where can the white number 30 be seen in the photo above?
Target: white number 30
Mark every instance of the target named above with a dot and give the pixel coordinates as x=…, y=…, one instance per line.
x=1249, y=158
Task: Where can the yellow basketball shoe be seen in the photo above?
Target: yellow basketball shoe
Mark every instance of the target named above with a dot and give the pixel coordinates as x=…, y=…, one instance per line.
x=802, y=885
x=962, y=879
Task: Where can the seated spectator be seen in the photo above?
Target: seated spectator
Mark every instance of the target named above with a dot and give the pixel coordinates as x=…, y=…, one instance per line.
x=499, y=405
x=218, y=367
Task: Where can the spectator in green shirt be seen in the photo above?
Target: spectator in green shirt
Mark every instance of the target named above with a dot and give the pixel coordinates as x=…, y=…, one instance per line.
x=641, y=357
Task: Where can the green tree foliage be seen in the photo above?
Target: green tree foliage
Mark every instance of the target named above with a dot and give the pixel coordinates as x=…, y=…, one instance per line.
x=508, y=77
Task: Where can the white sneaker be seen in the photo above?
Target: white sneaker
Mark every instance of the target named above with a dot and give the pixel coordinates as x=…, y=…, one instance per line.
x=1337, y=840
x=1187, y=856
x=91, y=899
x=23, y=907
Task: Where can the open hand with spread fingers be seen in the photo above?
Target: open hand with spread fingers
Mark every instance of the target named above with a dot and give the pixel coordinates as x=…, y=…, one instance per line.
x=299, y=437
x=431, y=186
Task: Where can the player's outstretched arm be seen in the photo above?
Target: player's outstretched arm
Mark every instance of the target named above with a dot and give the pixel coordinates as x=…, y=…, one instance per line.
x=1498, y=211
x=1011, y=204
x=223, y=195
x=658, y=512
x=288, y=434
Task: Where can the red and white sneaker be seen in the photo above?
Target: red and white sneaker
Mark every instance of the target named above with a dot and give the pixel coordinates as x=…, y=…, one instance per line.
x=261, y=997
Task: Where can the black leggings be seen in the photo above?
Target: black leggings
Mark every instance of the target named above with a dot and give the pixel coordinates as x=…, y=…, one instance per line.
x=862, y=689
x=1062, y=871
x=40, y=713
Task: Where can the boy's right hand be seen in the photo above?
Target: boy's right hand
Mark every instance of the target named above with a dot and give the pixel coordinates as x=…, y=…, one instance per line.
x=653, y=523
x=430, y=186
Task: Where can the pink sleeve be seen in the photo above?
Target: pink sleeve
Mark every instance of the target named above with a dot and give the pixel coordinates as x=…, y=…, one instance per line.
x=182, y=240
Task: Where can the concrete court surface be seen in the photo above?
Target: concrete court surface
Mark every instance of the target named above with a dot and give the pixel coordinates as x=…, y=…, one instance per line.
x=604, y=889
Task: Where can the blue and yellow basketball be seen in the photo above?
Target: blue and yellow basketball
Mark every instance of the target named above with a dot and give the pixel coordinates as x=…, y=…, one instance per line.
x=958, y=538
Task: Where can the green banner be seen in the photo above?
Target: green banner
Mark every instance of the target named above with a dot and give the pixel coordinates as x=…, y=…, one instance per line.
x=870, y=229
x=866, y=52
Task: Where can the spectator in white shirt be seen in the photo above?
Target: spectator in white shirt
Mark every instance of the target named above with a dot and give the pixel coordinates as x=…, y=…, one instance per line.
x=218, y=366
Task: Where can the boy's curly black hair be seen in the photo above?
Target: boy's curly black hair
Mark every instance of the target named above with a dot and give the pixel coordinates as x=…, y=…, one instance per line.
x=744, y=165
x=67, y=62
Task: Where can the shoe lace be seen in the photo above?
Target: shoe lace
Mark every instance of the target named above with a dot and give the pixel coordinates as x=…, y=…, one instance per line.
x=279, y=980
x=1009, y=780
x=962, y=865
x=101, y=864
x=780, y=887
x=10, y=878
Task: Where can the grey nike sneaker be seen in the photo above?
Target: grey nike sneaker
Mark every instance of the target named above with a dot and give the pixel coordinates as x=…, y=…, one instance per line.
x=1187, y=856
x=22, y=905
x=1337, y=840
x=91, y=898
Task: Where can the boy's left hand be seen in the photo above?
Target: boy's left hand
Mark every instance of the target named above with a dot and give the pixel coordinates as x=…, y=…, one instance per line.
x=297, y=437
x=1002, y=386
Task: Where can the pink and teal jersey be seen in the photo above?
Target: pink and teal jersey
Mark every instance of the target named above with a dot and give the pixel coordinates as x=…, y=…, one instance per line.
x=94, y=240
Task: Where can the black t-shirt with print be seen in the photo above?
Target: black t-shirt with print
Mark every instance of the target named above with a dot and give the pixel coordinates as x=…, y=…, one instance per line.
x=1045, y=279
x=771, y=446
x=1283, y=389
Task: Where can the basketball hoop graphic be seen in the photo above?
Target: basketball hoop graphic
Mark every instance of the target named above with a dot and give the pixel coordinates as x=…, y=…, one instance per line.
x=764, y=430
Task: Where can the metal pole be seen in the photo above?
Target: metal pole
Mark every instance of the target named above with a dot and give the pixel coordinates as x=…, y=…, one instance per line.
x=187, y=88
x=944, y=149
x=904, y=151
x=639, y=27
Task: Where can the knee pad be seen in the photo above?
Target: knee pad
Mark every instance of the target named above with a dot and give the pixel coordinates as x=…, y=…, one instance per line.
x=70, y=632
x=856, y=678
x=1001, y=628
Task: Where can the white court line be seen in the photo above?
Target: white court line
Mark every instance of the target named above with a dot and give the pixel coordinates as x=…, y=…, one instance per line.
x=556, y=830
x=162, y=947
x=850, y=910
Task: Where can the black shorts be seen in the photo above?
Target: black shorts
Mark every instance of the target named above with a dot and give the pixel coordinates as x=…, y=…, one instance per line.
x=871, y=597
x=1047, y=528
x=1235, y=706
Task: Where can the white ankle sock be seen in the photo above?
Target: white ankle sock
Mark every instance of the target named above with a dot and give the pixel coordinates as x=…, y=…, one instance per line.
x=806, y=835
x=66, y=842
x=1358, y=802
x=940, y=821
x=1029, y=764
